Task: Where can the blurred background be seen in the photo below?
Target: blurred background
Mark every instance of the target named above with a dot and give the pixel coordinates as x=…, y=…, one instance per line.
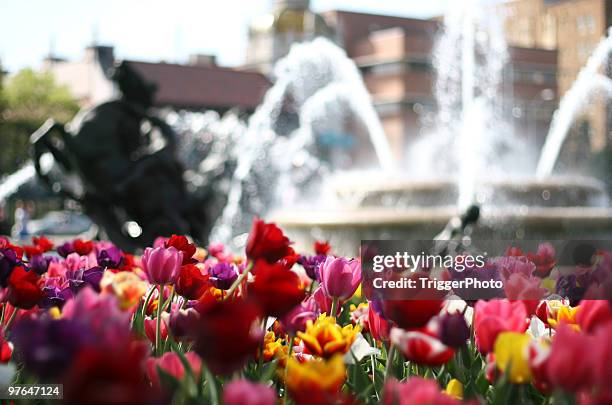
x=219, y=57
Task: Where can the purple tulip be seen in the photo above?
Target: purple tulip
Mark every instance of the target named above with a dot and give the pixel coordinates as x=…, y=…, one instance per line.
x=311, y=265
x=110, y=257
x=223, y=275
x=40, y=263
x=81, y=278
x=65, y=249
x=183, y=323
x=340, y=277
x=295, y=321
x=453, y=330
x=162, y=265
x=8, y=261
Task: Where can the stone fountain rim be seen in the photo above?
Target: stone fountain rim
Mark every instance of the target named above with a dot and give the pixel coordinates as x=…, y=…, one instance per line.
x=358, y=185
x=368, y=216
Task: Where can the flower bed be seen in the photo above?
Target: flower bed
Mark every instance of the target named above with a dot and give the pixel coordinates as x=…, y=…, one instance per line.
x=190, y=325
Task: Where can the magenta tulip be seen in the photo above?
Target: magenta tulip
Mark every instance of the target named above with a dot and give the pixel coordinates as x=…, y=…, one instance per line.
x=171, y=364
x=340, y=277
x=243, y=392
x=162, y=265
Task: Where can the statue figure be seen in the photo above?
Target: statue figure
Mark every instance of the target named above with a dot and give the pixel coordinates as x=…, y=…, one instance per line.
x=134, y=190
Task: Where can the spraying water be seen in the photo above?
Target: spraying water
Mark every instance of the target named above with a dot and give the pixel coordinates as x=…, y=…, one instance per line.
x=588, y=83
x=12, y=183
x=318, y=94
x=467, y=95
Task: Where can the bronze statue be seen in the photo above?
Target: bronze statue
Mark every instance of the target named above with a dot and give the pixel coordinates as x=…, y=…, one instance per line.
x=133, y=192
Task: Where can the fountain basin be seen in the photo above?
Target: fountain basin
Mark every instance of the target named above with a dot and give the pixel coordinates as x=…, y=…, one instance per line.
x=552, y=192
x=552, y=209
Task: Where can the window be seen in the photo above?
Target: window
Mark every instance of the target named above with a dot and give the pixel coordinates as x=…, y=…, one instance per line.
x=586, y=24
x=549, y=32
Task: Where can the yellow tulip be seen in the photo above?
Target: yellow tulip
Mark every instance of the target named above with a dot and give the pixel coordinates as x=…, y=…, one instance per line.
x=55, y=313
x=512, y=357
x=562, y=314
x=315, y=375
x=454, y=388
x=274, y=347
x=325, y=337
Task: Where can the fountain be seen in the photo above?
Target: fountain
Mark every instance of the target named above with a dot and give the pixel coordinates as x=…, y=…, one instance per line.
x=317, y=102
x=298, y=161
x=515, y=204
x=588, y=83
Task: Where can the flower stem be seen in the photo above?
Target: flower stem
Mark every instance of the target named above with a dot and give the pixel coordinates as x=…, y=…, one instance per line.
x=334, y=307
x=290, y=343
x=146, y=302
x=390, y=358
x=212, y=385
x=11, y=318
x=158, y=325
x=239, y=280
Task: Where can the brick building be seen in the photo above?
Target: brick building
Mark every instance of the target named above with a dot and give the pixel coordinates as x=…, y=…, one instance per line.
x=394, y=55
x=198, y=85
x=573, y=28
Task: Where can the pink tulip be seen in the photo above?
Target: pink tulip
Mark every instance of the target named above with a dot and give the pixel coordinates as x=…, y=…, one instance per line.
x=525, y=288
x=496, y=316
x=170, y=363
x=243, y=392
x=149, y=328
x=322, y=301
x=340, y=277
x=297, y=318
x=162, y=265
x=416, y=391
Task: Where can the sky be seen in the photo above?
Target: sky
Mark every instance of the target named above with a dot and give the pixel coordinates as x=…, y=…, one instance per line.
x=154, y=30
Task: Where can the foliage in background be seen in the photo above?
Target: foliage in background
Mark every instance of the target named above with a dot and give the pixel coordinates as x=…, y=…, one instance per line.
x=27, y=99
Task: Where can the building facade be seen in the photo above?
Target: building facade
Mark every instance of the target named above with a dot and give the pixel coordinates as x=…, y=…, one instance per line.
x=394, y=55
x=198, y=85
x=573, y=28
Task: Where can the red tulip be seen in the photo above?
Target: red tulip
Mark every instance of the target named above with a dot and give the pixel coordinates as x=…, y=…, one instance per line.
x=410, y=314
x=227, y=334
x=191, y=283
x=421, y=346
x=601, y=356
x=413, y=308
x=379, y=327
x=83, y=247
x=592, y=314
x=322, y=247
x=6, y=349
x=95, y=374
x=276, y=289
x=568, y=366
x=496, y=316
x=24, y=288
x=267, y=241
x=181, y=243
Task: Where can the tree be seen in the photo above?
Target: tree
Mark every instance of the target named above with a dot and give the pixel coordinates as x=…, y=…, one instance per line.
x=27, y=99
